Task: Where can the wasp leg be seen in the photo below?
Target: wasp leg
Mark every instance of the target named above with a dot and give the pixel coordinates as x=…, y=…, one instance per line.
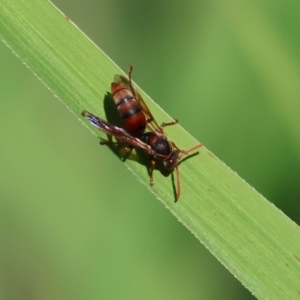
x=129, y=74
x=163, y=125
x=178, y=184
x=151, y=172
x=105, y=142
x=149, y=120
x=128, y=148
x=131, y=84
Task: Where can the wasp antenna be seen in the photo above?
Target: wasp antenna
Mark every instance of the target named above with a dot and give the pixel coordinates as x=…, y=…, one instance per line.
x=194, y=148
x=186, y=152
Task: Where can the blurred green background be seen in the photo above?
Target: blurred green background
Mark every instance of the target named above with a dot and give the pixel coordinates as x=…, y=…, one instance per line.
x=75, y=223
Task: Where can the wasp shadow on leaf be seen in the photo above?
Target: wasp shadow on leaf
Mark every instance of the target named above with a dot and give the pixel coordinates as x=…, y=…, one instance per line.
x=111, y=111
x=188, y=157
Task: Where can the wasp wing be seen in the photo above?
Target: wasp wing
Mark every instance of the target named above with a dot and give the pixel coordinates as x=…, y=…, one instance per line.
x=117, y=132
x=151, y=122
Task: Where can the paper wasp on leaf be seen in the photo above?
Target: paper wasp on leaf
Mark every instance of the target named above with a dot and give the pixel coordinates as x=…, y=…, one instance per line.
x=137, y=118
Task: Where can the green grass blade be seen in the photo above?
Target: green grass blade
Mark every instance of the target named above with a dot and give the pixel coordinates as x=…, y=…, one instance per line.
x=246, y=233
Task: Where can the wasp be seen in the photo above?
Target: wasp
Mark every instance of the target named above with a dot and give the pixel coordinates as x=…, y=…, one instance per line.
x=137, y=117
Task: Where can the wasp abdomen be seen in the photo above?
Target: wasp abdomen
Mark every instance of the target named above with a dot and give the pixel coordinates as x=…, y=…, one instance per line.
x=129, y=109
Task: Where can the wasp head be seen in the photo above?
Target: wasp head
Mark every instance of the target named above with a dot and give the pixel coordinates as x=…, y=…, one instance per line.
x=172, y=160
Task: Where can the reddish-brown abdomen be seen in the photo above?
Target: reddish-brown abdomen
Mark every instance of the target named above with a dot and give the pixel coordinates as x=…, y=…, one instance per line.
x=116, y=87
x=129, y=109
x=135, y=124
